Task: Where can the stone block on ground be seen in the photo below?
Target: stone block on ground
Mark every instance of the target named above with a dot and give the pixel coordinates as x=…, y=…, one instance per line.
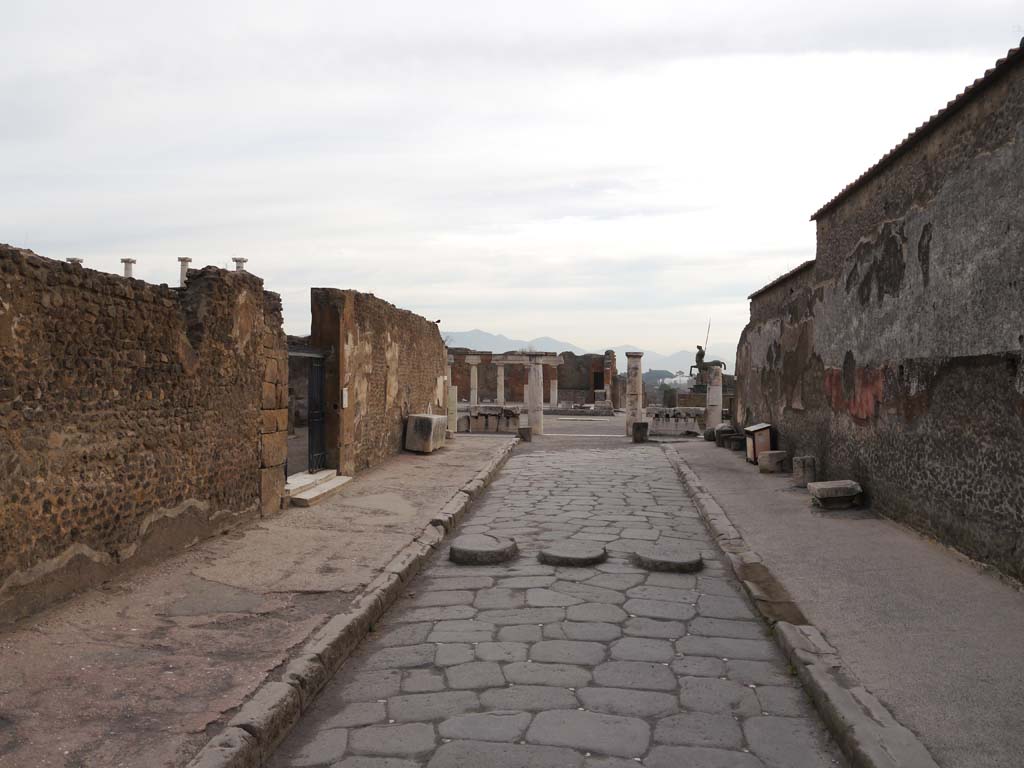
x=641, y=429
x=482, y=549
x=677, y=558
x=526, y=434
x=424, y=432
x=836, y=494
x=803, y=470
x=572, y=553
x=770, y=462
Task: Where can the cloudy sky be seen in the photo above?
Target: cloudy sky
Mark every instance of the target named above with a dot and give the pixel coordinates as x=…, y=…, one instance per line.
x=603, y=172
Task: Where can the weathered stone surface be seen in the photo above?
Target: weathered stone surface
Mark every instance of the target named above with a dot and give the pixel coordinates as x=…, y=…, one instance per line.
x=641, y=626
x=269, y=714
x=400, y=740
x=473, y=754
x=635, y=674
x=804, y=471
x=475, y=674
x=835, y=494
x=431, y=706
x=501, y=651
x=660, y=609
x=699, y=729
x=769, y=462
x=482, y=549
x=568, y=652
x=401, y=656
x=596, y=612
x=786, y=742
x=623, y=701
x=500, y=725
x=591, y=731
x=677, y=558
x=709, y=694
x=572, y=553
x=642, y=649
x=326, y=747
x=526, y=673
x=700, y=757
x=359, y=713
x=425, y=433
x=541, y=598
x=528, y=697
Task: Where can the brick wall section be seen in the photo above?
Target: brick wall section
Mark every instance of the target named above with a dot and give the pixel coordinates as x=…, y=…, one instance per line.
x=134, y=418
x=391, y=361
x=897, y=357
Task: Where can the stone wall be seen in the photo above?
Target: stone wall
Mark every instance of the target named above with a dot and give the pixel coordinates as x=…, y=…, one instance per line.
x=134, y=419
x=895, y=358
x=390, y=362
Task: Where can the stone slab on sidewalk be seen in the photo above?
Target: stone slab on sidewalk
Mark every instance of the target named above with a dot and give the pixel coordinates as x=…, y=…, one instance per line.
x=144, y=670
x=931, y=634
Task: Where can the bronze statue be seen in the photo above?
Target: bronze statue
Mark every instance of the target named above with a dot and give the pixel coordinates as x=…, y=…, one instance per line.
x=701, y=366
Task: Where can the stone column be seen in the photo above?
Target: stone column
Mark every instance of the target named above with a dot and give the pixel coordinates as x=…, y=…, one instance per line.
x=239, y=263
x=634, y=390
x=474, y=388
x=501, y=383
x=127, y=266
x=713, y=408
x=184, y=261
x=554, y=390
x=535, y=396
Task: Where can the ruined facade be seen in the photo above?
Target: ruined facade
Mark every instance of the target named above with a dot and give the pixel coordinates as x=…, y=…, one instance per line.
x=134, y=418
x=895, y=357
x=382, y=364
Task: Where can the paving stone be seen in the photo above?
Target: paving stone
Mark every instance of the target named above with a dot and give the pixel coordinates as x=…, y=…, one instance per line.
x=760, y=672
x=526, y=582
x=460, y=637
x=710, y=694
x=659, y=609
x=699, y=729
x=525, y=615
x=540, y=598
x=535, y=673
x=602, y=612
x=573, y=552
x=375, y=762
x=596, y=631
x=622, y=701
x=645, y=534
x=422, y=681
x=668, y=594
x=642, y=649
x=475, y=674
x=640, y=626
x=567, y=573
x=743, y=630
x=589, y=593
x=400, y=656
x=326, y=746
x=501, y=725
x=403, y=634
x=568, y=652
x=635, y=674
x=619, y=581
x=672, y=580
x=499, y=598
x=701, y=757
x=489, y=754
x=460, y=582
x=406, y=740
x=717, y=585
x=618, y=567
x=431, y=706
x=609, y=762
x=359, y=713
x=411, y=615
x=529, y=697
x=446, y=597
x=717, y=607
x=501, y=651
x=786, y=701
x=450, y=654
x=519, y=633
x=464, y=625
x=674, y=558
x=481, y=549
x=371, y=686
x=699, y=666
x=591, y=731
x=786, y=742
x=728, y=648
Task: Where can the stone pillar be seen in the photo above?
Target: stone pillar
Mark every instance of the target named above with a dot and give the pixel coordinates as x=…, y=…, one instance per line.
x=474, y=389
x=184, y=261
x=239, y=263
x=127, y=266
x=634, y=390
x=453, y=409
x=501, y=383
x=535, y=396
x=554, y=390
x=713, y=408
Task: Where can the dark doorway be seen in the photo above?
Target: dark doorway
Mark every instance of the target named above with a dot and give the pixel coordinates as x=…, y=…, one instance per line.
x=306, y=449
x=317, y=452
x=598, y=380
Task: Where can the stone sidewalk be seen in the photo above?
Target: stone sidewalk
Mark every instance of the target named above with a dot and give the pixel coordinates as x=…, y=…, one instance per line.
x=524, y=665
x=144, y=670
x=935, y=637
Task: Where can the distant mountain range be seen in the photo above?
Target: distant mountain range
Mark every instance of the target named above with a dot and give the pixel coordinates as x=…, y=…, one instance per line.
x=482, y=340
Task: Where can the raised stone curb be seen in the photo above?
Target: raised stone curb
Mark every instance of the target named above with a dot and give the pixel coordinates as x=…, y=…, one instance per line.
x=865, y=730
x=271, y=712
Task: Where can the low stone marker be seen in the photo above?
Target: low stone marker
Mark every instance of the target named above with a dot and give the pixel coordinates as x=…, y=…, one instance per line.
x=835, y=494
x=771, y=461
x=526, y=434
x=572, y=553
x=641, y=429
x=677, y=558
x=803, y=470
x=424, y=432
x=735, y=442
x=481, y=549
x=709, y=435
x=722, y=432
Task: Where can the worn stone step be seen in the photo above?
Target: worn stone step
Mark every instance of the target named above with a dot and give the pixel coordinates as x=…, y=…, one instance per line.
x=303, y=481
x=319, y=492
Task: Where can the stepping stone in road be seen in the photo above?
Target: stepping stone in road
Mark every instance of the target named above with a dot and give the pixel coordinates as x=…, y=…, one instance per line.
x=678, y=558
x=573, y=553
x=482, y=549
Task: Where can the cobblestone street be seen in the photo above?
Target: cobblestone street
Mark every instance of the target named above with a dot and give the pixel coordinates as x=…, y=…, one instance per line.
x=525, y=664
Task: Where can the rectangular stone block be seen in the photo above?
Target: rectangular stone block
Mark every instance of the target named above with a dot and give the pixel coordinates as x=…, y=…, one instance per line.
x=275, y=420
x=272, y=482
x=836, y=494
x=424, y=432
x=771, y=461
x=803, y=470
x=273, y=449
x=269, y=395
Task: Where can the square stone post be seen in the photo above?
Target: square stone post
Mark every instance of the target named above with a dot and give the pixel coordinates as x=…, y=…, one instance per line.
x=474, y=389
x=535, y=395
x=713, y=408
x=634, y=390
x=554, y=391
x=501, y=383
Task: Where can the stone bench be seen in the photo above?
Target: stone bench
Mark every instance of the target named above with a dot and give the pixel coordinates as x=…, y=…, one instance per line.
x=836, y=494
x=424, y=432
